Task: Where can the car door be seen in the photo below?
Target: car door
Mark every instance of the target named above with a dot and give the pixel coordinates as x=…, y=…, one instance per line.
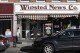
x=76, y=39
x=65, y=39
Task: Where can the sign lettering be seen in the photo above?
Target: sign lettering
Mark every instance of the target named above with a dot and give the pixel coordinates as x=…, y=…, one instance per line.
x=48, y=7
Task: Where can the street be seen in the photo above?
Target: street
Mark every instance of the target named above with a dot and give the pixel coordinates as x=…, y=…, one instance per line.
x=28, y=49
x=25, y=47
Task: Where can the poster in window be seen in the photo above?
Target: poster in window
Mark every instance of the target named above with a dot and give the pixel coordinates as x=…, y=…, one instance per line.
x=8, y=33
x=48, y=28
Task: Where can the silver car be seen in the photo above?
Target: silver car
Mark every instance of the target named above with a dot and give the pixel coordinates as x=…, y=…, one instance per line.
x=4, y=42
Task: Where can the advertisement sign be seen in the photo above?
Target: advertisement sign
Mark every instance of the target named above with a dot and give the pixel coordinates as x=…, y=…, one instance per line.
x=48, y=28
x=47, y=8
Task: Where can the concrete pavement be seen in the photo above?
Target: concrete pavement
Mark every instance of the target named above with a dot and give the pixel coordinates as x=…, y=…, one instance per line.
x=16, y=49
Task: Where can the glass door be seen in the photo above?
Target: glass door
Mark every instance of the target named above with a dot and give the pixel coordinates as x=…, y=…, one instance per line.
x=23, y=28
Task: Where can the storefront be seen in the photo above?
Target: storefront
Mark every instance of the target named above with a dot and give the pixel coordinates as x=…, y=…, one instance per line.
x=45, y=19
x=6, y=20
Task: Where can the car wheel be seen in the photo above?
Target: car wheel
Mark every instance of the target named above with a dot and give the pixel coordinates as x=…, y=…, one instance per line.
x=48, y=48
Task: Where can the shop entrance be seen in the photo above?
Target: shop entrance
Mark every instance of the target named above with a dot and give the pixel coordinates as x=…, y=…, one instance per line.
x=25, y=28
x=36, y=29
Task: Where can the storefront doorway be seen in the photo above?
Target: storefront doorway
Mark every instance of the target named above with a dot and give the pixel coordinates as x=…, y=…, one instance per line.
x=25, y=28
x=36, y=29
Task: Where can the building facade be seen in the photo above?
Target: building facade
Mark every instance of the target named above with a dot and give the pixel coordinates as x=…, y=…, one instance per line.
x=38, y=18
x=45, y=19
x=6, y=19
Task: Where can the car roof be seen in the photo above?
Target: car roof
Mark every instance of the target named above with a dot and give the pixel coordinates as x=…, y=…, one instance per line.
x=72, y=29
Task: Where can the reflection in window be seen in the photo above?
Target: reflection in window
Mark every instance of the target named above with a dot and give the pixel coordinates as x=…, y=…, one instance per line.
x=24, y=0
x=56, y=0
x=67, y=34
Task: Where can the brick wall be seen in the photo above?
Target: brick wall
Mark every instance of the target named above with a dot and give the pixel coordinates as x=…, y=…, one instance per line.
x=48, y=0
x=32, y=0
x=14, y=0
x=78, y=0
x=63, y=0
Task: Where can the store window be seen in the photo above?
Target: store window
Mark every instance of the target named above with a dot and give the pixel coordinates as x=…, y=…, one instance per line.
x=5, y=25
x=3, y=0
x=24, y=0
x=56, y=0
x=71, y=0
x=40, y=0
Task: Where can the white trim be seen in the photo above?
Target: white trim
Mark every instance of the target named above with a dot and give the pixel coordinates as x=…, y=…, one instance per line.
x=36, y=3
x=71, y=1
x=24, y=1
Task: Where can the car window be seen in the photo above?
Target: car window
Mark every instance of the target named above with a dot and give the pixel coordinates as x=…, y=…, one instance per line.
x=66, y=34
x=76, y=33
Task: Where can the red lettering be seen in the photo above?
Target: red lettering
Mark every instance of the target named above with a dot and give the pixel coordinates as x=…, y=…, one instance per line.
x=57, y=7
x=24, y=7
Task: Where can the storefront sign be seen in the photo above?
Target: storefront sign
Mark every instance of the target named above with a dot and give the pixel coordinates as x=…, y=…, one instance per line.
x=47, y=8
x=6, y=8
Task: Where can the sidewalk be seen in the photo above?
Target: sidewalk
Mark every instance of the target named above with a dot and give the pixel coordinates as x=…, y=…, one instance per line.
x=16, y=49
x=23, y=42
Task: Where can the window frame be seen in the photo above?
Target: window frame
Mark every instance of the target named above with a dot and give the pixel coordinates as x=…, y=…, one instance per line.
x=24, y=1
x=3, y=1
x=56, y=1
x=71, y=1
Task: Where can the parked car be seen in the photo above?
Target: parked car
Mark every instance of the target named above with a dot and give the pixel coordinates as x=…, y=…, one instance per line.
x=4, y=42
x=65, y=39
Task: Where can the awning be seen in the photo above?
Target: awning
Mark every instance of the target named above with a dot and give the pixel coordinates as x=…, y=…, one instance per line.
x=63, y=15
x=6, y=16
x=33, y=17
x=43, y=16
